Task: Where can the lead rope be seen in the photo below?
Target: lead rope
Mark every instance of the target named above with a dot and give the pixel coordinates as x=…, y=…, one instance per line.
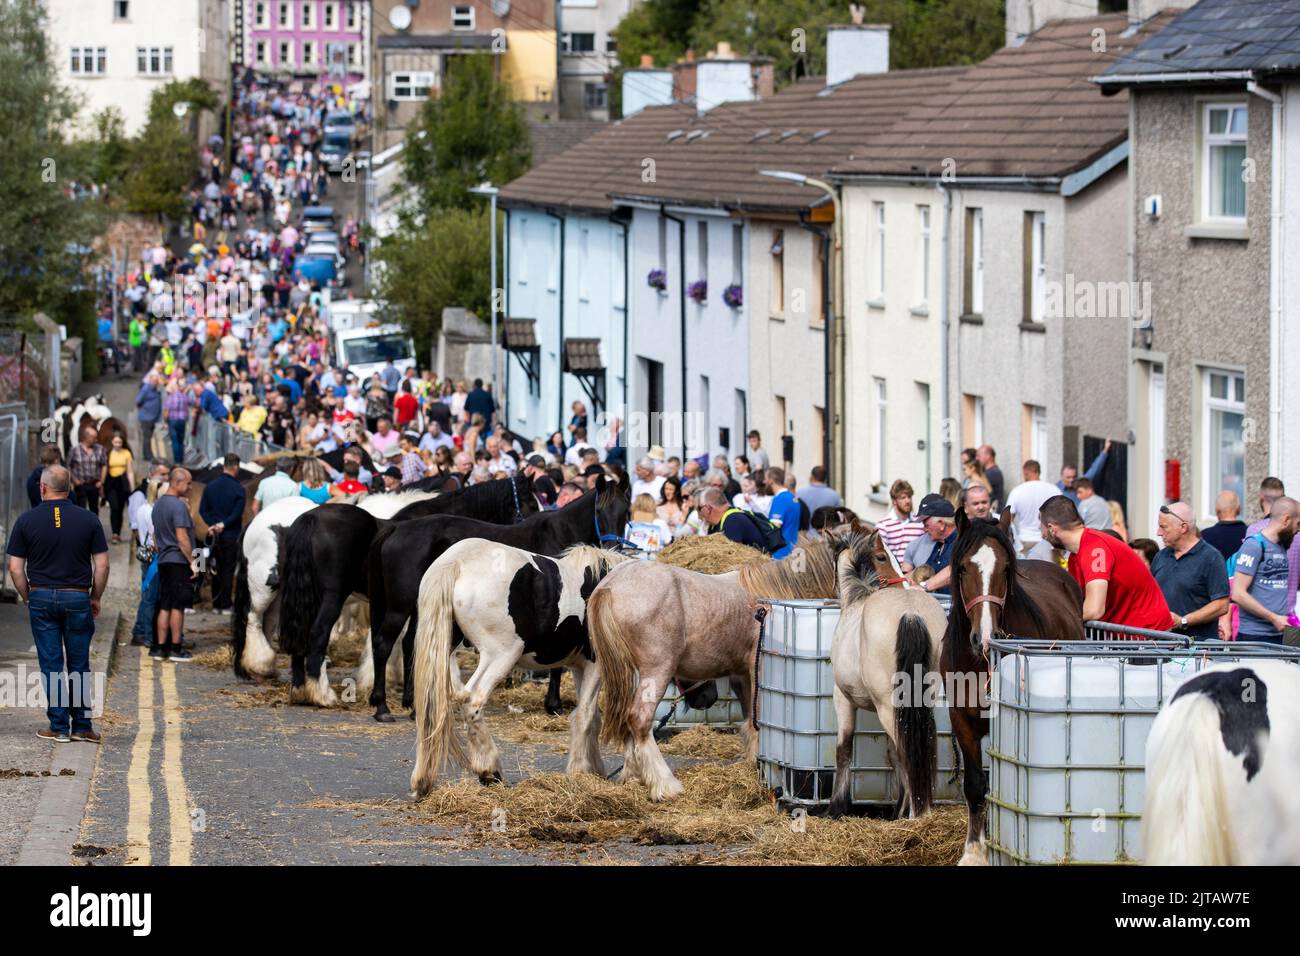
x=514, y=493
x=761, y=616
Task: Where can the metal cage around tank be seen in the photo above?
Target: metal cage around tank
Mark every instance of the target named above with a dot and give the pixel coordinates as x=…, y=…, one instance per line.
x=1068, y=732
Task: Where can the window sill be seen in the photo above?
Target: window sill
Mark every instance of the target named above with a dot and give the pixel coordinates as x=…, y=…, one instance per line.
x=776, y=316
x=971, y=318
x=1038, y=327
x=877, y=499
x=1203, y=230
x=876, y=304
x=920, y=311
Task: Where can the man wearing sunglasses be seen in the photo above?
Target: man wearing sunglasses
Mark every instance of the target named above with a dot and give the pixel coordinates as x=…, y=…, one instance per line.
x=1191, y=574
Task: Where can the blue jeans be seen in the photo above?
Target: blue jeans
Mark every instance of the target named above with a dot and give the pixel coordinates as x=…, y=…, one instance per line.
x=148, y=610
x=176, y=428
x=62, y=621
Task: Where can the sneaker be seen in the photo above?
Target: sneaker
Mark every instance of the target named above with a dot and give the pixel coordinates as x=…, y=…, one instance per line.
x=180, y=654
x=189, y=610
x=141, y=642
x=58, y=736
x=158, y=654
x=85, y=736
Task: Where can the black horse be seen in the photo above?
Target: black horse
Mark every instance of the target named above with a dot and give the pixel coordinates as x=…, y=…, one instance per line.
x=323, y=562
x=402, y=552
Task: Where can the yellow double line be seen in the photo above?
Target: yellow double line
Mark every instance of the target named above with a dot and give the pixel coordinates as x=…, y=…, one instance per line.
x=138, y=784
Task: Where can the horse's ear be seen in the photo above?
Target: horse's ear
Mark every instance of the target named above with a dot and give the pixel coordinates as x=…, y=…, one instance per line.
x=855, y=526
x=1004, y=520
x=963, y=521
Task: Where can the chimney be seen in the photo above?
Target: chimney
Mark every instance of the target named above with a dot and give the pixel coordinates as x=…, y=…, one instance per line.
x=1025, y=17
x=855, y=50
x=645, y=86
x=719, y=81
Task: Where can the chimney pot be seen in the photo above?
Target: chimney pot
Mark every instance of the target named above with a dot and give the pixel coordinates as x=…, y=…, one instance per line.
x=647, y=60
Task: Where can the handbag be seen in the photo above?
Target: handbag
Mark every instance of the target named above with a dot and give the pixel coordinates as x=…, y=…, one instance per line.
x=144, y=553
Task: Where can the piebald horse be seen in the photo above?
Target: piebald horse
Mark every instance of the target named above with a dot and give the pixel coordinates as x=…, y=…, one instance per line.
x=995, y=593
x=1223, y=769
x=516, y=608
x=887, y=645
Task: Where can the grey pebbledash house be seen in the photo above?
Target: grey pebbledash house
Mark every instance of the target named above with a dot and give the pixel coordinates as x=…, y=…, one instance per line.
x=1214, y=121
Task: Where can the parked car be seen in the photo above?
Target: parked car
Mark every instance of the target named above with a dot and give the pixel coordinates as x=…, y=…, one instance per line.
x=318, y=219
x=340, y=121
x=318, y=270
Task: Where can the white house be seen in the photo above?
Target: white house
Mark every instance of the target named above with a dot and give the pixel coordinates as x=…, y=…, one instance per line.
x=117, y=52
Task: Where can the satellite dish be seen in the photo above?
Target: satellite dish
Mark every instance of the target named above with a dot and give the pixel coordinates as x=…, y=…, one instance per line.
x=400, y=17
x=501, y=8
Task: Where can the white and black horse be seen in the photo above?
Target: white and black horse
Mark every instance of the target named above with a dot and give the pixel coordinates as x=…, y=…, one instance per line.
x=1223, y=769
x=402, y=552
x=324, y=563
x=515, y=608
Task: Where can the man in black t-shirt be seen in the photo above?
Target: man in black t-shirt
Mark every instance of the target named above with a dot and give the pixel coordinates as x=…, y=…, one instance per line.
x=58, y=560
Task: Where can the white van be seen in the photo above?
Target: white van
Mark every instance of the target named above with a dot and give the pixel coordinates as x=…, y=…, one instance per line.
x=366, y=350
x=343, y=314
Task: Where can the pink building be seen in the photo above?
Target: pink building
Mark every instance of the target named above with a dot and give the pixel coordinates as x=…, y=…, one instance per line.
x=327, y=38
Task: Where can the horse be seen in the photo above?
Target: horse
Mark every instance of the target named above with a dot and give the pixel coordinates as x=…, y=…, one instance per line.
x=1026, y=598
x=402, y=552
x=887, y=645
x=325, y=562
x=661, y=623
x=514, y=607
x=110, y=427
x=1223, y=769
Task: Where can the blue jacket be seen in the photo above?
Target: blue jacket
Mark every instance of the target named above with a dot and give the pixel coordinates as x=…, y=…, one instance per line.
x=223, y=501
x=149, y=401
x=786, y=507
x=214, y=407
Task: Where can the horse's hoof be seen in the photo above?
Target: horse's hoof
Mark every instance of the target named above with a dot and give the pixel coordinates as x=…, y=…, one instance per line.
x=555, y=711
x=837, y=810
x=488, y=779
x=411, y=715
x=385, y=717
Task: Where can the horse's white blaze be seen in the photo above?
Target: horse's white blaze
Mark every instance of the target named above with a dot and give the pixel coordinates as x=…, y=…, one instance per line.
x=985, y=560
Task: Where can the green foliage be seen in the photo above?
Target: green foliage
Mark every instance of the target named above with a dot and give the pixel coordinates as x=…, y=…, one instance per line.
x=164, y=158
x=473, y=131
x=660, y=28
x=105, y=155
x=433, y=262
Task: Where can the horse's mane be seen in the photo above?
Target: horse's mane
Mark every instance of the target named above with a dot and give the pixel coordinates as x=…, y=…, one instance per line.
x=971, y=537
x=596, y=560
x=784, y=579
x=855, y=568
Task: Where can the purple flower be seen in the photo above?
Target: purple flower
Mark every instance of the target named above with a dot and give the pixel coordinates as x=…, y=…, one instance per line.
x=698, y=290
x=657, y=279
x=733, y=296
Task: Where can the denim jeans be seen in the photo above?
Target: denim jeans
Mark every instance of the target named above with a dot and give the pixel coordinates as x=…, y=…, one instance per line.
x=176, y=428
x=148, y=610
x=62, y=623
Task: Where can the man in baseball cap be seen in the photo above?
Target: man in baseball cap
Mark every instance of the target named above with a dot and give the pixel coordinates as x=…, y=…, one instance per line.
x=934, y=548
x=543, y=487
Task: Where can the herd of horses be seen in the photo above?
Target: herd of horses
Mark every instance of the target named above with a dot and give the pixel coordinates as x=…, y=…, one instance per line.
x=485, y=567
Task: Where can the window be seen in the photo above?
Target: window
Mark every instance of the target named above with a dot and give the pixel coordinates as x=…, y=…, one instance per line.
x=737, y=254
x=410, y=86
x=260, y=15
x=521, y=272
x=286, y=57
x=261, y=52
x=816, y=302
x=611, y=45
x=1033, y=435
x=330, y=17
x=922, y=255
x=879, y=476
x=1224, y=419
x=777, y=297
x=351, y=18
x=89, y=61
x=663, y=244
x=121, y=9
x=286, y=15
x=462, y=18
x=352, y=54
x=153, y=60
x=617, y=275
x=1035, y=269
x=584, y=263
x=878, y=253
x=974, y=265
x=702, y=251
x=553, y=261
x=578, y=42
x=1223, y=187
x=308, y=9
x=595, y=96
x=972, y=425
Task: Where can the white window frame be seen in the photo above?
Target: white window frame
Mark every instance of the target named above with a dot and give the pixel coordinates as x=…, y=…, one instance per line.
x=259, y=52
x=737, y=254
x=413, y=80
x=878, y=253
x=521, y=275
x=89, y=61
x=123, y=18
x=458, y=11
x=880, y=396
x=776, y=285
x=157, y=61
x=352, y=54
x=1210, y=482
x=702, y=249
x=350, y=15
x=329, y=18
x=1038, y=436
x=1209, y=141
x=285, y=51
x=584, y=264
x=618, y=286
x=553, y=261
x=922, y=257
x=308, y=15
x=285, y=12
x=977, y=262
x=309, y=49
x=261, y=14
x=1037, y=267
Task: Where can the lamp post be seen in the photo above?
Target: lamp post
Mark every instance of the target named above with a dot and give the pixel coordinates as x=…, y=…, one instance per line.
x=835, y=369
x=487, y=189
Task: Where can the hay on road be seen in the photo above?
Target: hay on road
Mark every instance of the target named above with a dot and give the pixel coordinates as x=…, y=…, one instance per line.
x=702, y=742
x=218, y=658
x=709, y=554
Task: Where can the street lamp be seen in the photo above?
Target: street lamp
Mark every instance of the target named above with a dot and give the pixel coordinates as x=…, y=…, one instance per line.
x=487, y=189
x=835, y=368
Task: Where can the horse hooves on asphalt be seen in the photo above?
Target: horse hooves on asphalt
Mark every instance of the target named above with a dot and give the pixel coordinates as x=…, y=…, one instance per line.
x=386, y=718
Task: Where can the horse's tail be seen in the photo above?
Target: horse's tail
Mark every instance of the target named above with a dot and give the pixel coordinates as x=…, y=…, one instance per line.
x=1186, y=821
x=300, y=595
x=239, y=618
x=617, y=663
x=913, y=718
x=435, y=704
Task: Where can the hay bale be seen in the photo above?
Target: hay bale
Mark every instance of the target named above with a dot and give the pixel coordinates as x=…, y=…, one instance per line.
x=710, y=554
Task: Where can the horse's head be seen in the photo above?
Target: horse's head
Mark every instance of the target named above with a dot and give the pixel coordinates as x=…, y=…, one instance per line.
x=984, y=574
x=528, y=503
x=858, y=563
x=612, y=506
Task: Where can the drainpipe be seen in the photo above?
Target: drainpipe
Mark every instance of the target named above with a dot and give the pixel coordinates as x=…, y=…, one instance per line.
x=944, y=284
x=1276, y=339
x=681, y=295
x=828, y=335
x=559, y=395
x=623, y=224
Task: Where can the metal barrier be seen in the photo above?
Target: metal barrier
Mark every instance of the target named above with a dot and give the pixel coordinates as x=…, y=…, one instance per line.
x=14, y=437
x=209, y=440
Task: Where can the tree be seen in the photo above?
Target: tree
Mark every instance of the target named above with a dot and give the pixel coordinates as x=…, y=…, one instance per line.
x=105, y=156
x=430, y=263
x=40, y=223
x=165, y=158
x=473, y=131
x=660, y=28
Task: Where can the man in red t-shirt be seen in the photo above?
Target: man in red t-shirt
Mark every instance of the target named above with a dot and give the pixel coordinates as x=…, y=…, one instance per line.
x=1118, y=588
x=405, y=406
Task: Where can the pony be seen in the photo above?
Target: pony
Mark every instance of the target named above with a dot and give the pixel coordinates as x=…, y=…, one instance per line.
x=886, y=646
x=993, y=592
x=325, y=563
x=516, y=608
x=402, y=552
x=652, y=623
x=1223, y=769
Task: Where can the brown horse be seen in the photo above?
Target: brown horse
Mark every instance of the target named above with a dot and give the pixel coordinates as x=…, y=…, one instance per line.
x=652, y=623
x=994, y=594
